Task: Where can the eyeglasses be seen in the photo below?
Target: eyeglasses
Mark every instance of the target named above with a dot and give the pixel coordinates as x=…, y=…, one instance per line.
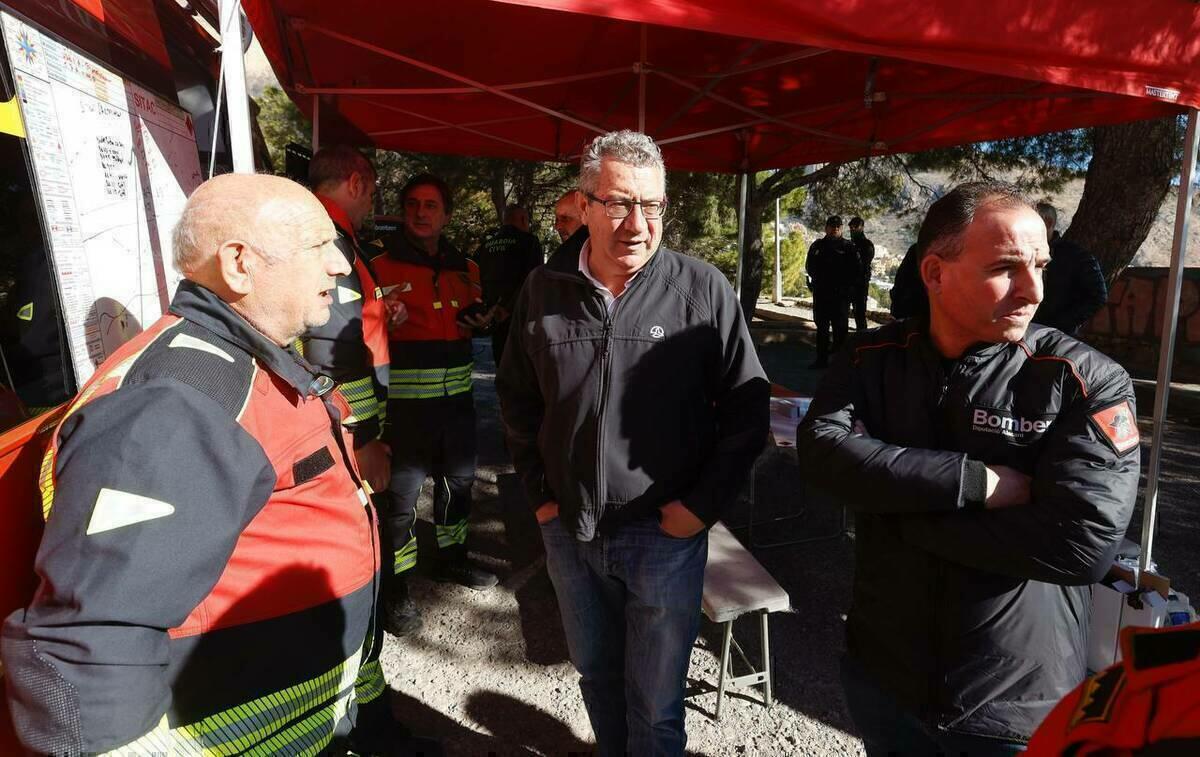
x=651, y=209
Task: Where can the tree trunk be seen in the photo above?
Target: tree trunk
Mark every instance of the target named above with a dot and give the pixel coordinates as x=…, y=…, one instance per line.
x=752, y=251
x=760, y=197
x=1127, y=180
x=497, y=191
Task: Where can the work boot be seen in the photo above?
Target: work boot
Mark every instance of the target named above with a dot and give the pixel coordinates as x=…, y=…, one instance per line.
x=401, y=616
x=377, y=733
x=457, y=569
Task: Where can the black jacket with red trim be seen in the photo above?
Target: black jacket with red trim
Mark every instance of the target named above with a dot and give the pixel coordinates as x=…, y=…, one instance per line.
x=352, y=346
x=975, y=619
x=209, y=564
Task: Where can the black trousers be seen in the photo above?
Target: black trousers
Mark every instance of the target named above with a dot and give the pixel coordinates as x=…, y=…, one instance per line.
x=860, y=310
x=430, y=438
x=831, y=309
x=499, y=337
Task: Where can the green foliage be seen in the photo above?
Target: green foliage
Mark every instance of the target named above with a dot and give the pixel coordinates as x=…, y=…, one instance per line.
x=880, y=295
x=865, y=188
x=1042, y=163
x=793, y=253
x=702, y=218
x=281, y=123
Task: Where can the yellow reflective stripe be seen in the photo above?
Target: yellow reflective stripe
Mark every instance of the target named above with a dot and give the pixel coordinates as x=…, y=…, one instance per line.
x=452, y=534
x=408, y=393
x=358, y=388
x=370, y=684
x=425, y=375
x=46, y=481
x=405, y=558
x=252, y=728
x=360, y=396
x=298, y=345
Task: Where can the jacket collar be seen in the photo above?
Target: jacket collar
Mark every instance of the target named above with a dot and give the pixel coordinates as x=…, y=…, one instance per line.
x=976, y=353
x=568, y=265
x=339, y=217
x=448, y=256
x=202, y=307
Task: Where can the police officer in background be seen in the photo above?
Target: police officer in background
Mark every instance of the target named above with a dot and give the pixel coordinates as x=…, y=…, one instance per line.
x=834, y=273
x=866, y=253
x=505, y=258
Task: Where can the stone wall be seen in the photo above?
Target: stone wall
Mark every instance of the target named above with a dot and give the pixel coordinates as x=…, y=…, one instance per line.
x=1129, y=327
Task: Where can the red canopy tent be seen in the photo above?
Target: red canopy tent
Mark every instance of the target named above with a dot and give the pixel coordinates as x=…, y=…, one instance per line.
x=724, y=85
x=734, y=86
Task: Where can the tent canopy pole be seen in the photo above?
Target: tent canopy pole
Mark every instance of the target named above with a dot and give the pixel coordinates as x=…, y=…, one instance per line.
x=1166, y=351
x=234, y=65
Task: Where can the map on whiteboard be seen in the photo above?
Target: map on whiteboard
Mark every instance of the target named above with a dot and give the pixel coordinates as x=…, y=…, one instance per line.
x=114, y=165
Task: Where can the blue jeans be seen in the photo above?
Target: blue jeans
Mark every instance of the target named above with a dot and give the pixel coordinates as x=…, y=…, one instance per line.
x=888, y=729
x=630, y=604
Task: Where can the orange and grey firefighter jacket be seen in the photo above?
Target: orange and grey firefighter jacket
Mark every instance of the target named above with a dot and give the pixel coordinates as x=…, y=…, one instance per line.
x=209, y=564
x=352, y=347
x=435, y=360
x=1146, y=705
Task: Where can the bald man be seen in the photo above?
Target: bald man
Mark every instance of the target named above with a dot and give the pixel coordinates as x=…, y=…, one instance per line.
x=208, y=569
x=568, y=222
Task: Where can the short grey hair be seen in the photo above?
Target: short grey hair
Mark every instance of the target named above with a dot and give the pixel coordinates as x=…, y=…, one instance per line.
x=629, y=147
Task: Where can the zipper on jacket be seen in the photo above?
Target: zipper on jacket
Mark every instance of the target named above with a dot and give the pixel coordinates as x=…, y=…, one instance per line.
x=939, y=574
x=601, y=406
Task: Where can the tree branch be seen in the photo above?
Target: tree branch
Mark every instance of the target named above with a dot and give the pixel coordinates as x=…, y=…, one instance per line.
x=781, y=182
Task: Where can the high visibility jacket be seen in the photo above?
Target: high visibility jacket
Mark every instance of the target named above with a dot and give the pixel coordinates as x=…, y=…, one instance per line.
x=1148, y=704
x=209, y=564
x=352, y=347
x=430, y=352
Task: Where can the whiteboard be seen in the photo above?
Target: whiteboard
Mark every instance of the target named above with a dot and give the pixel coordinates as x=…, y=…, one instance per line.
x=114, y=164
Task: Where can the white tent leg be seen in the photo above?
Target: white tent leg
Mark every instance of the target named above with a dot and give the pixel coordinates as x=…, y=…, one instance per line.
x=235, y=86
x=1166, y=351
x=778, y=259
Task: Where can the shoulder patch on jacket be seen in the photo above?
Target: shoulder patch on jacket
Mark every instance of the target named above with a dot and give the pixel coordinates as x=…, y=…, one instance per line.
x=1100, y=693
x=1118, y=426
x=192, y=355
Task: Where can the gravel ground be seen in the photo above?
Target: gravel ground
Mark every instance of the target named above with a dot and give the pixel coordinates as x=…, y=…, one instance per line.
x=488, y=673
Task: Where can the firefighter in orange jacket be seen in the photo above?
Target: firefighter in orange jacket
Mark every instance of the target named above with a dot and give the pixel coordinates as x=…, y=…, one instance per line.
x=1148, y=704
x=431, y=411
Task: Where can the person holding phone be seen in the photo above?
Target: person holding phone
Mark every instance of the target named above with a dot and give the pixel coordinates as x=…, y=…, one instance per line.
x=431, y=409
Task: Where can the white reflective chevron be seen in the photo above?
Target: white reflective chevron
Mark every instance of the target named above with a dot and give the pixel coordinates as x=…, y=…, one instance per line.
x=184, y=340
x=346, y=294
x=117, y=509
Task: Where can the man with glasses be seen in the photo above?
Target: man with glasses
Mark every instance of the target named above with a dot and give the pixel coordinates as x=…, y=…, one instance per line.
x=634, y=406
